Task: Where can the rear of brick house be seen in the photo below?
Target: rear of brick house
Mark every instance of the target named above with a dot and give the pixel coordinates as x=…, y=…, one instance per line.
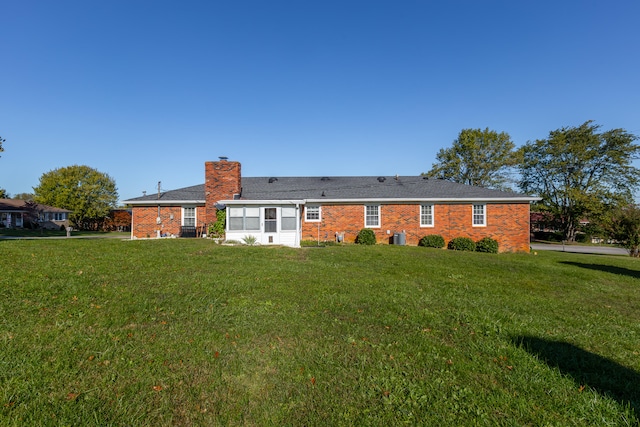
x=288, y=210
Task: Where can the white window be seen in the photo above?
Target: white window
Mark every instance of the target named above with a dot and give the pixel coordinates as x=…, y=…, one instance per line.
x=236, y=219
x=244, y=218
x=312, y=213
x=372, y=216
x=426, y=215
x=189, y=217
x=251, y=218
x=479, y=215
x=288, y=219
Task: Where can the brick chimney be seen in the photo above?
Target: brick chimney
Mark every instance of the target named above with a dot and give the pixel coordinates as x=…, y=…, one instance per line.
x=222, y=180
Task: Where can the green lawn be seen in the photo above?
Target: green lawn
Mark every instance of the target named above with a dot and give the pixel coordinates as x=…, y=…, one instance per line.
x=41, y=232
x=185, y=332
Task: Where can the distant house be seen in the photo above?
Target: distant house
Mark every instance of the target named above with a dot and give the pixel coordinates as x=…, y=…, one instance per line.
x=287, y=210
x=16, y=213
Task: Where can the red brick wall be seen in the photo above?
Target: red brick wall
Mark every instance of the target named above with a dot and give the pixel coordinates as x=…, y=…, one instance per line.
x=144, y=220
x=507, y=223
x=222, y=181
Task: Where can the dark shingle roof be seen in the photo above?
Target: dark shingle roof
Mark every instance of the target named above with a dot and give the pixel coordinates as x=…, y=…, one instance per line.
x=342, y=188
x=369, y=187
x=17, y=205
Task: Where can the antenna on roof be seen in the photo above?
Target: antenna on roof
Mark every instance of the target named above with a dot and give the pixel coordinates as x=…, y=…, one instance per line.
x=159, y=182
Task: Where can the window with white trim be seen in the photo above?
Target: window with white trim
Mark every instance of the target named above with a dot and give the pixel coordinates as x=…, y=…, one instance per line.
x=426, y=215
x=312, y=214
x=372, y=216
x=244, y=218
x=288, y=219
x=189, y=216
x=479, y=215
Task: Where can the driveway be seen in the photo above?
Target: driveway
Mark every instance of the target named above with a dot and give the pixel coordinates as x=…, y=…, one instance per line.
x=606, y=250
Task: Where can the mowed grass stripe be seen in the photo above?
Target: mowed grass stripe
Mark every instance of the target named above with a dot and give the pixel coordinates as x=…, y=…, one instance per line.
x=186, y=332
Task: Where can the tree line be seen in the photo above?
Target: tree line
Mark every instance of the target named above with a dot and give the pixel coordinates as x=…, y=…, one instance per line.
x=580, y=172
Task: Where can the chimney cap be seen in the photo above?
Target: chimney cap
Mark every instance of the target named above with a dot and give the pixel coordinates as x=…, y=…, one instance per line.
x=223, y=158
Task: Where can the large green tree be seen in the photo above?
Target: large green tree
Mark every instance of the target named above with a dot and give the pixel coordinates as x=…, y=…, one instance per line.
x=580, y=172
x=90, y=194
x=477, y=157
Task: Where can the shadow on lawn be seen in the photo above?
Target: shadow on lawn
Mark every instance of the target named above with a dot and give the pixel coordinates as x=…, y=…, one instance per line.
x=606, y=268
x=601, y=374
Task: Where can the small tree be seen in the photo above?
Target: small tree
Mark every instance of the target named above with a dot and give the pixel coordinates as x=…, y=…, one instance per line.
x=624, y=227
x=34, y=212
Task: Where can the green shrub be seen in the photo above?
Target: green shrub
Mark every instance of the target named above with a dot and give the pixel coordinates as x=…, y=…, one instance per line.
x=462, y=244
x=583, y=238
x=250, y=240
x=216, y=229
x=432, y=241
x=366, y=236
x=488, y=245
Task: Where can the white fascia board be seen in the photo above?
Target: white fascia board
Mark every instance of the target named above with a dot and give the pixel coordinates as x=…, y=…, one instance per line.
x=433, y=200
x=525, y=199
x=163, y=202
x=261, y=202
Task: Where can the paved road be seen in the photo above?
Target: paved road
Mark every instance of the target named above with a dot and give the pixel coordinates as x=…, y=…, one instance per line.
x=607, y=250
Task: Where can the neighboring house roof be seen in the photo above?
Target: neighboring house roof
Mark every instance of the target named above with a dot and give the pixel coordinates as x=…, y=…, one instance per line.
x=341, y=189
x=16, y=205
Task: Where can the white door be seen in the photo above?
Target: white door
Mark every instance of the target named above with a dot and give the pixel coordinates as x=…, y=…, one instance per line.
x=270, y=230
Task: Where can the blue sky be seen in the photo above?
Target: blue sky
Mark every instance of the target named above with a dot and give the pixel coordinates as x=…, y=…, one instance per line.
x=147, y=91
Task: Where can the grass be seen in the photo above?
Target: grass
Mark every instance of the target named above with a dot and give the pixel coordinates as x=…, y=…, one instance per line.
x=186, y=332
x=41, y=232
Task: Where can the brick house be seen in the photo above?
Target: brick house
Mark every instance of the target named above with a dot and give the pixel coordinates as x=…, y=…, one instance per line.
x=287, y=210
x=15, y=213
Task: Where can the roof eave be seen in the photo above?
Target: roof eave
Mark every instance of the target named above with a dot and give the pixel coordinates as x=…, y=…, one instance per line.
x=524, y=199
x=262, y=202
x=162, y=202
